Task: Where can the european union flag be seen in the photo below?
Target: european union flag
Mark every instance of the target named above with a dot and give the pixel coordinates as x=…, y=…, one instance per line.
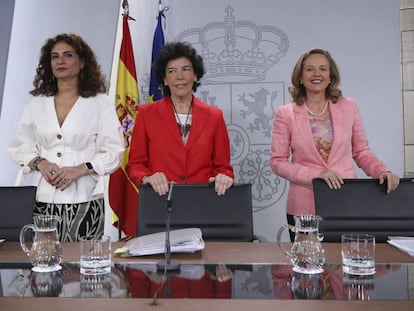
x=157, y=44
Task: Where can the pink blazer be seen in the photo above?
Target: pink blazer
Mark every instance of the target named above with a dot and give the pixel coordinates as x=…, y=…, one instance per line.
x=157, y=146
x=294, y=155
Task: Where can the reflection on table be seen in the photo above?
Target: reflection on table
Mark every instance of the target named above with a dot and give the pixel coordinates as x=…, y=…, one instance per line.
x=239, y=281
x=333, y=284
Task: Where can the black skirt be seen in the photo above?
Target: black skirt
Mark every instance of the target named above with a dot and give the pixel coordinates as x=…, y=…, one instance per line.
x=76, y=220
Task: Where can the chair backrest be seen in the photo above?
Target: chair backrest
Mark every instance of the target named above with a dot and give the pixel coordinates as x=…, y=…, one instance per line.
x=16, y=210
x=220, y=218
x=362, y=205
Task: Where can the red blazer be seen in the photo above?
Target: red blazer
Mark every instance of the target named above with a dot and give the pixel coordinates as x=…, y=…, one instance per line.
x=156, y=144
x=294, y=155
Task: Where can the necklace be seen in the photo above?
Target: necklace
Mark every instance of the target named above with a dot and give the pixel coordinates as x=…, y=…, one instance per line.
x=184, y=128
x=317, y=114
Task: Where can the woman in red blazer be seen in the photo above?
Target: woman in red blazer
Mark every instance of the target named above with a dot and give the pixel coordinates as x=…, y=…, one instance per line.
x=320, y=134
x=179, y=138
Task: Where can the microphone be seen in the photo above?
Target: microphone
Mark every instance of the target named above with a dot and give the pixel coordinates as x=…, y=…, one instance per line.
x=167, y=264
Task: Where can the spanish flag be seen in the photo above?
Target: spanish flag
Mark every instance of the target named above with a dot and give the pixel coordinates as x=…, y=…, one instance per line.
x=123, y=195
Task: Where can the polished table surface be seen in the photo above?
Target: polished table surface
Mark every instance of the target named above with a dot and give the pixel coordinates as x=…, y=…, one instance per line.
x=216, y=252
x=12, y=256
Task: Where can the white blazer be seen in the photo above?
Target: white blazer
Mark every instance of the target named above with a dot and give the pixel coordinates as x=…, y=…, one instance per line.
x=91, y=132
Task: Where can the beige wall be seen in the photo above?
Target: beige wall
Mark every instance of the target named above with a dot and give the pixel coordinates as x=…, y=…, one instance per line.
x=407, y=72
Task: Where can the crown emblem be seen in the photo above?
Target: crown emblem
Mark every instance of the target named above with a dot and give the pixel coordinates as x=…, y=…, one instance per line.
x=241, y=49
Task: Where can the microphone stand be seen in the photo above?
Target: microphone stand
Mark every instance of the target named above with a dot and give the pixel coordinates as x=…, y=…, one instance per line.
x=167, y=264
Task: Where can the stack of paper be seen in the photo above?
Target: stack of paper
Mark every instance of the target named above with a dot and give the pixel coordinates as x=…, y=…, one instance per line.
x=406, y=244
x=181, y=241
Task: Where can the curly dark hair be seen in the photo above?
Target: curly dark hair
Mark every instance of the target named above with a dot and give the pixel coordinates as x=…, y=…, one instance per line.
x=174, y=50
x=91, y=80
x=298, y=91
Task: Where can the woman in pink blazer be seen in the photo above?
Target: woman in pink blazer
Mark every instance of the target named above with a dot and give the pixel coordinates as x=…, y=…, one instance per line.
x=320, y=134
x=179, y=138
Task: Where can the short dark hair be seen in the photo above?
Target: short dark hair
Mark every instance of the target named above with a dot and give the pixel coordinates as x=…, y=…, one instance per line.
x=174, y=50
x=91, y=81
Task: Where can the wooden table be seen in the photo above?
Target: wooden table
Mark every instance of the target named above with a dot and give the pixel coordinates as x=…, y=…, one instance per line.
x=103, y=304
x=215, y=252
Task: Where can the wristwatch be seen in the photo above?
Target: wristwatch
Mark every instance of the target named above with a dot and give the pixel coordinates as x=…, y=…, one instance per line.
x=36, y=162
x=89, y=166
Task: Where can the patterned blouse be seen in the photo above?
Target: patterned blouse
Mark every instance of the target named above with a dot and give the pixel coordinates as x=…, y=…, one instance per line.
x=322, y=132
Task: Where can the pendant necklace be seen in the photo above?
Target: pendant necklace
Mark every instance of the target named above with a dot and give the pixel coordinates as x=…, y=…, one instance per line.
x=317, y=114
x=184, y=128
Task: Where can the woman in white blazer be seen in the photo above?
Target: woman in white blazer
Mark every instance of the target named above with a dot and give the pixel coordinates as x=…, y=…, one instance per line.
x=69, y=137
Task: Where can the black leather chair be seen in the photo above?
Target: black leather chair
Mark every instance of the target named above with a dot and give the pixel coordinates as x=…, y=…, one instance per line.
x=16, y=210
x=363, y=206
x=220, y=218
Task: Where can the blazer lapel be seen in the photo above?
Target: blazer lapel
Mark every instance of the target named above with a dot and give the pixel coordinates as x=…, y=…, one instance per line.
x=304, y=127
x=198, y=123
x=337, y=117
x=167, y=117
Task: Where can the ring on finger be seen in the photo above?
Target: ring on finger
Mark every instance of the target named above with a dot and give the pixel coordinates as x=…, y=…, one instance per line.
x=331, y=177
x=52, y=172
x=65, y=179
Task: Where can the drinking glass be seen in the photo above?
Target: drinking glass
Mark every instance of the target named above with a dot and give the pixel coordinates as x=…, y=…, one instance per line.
x=358, y=254
x=95, y=255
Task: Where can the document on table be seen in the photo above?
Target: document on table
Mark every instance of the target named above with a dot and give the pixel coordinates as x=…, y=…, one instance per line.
x=406, y=244
x=187, y=240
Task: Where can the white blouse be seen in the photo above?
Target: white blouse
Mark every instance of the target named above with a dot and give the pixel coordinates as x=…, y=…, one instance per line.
x=91, y=132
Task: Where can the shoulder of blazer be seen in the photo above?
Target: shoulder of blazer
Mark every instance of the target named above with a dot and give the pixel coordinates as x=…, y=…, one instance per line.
x=98, y=101
x=291, y=108
x=163, y=103
x=38, y=102
x=345, y=101
x=206, y=108
x=40, y=98
x=344, y=104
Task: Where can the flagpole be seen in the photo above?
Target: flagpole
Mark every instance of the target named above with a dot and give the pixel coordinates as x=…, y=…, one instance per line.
x=110, y=215
x=125, y=6
x=162, y=10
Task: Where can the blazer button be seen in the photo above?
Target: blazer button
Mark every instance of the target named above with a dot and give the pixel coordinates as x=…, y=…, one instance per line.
x=59, y=136
x=182, y=177
x=59, y=154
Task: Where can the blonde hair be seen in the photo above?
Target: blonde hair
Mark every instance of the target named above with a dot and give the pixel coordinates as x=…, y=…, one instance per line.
x=298, y=91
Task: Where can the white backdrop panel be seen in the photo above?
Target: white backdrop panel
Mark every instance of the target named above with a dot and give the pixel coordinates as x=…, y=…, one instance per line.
x=362, y=36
